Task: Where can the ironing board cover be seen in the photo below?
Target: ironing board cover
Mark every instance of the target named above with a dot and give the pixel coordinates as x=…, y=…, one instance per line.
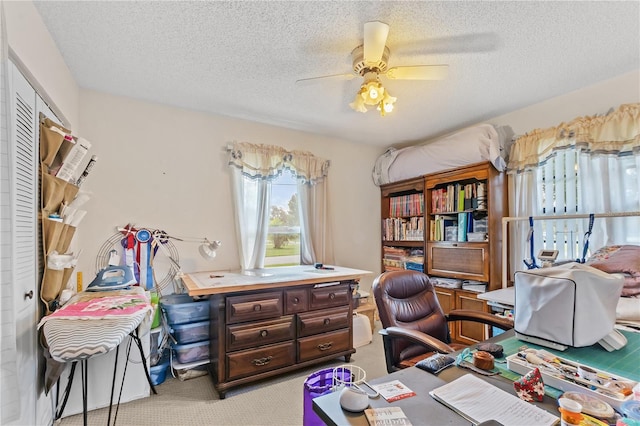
x=93, y=323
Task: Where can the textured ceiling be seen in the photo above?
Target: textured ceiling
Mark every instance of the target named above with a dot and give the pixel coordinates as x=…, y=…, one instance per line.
x=242, y=59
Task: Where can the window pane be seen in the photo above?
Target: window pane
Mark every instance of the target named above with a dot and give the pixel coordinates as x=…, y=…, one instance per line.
x=283, y=239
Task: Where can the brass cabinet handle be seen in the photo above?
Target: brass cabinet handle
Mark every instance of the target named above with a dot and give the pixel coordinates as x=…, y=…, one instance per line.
x=327, y=321
x=257, y=308
x=259, y=362
x=325, y=346
x=296, y=300
x=264, y=333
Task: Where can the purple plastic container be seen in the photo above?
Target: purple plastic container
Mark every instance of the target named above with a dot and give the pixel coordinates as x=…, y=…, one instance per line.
x=317, y=384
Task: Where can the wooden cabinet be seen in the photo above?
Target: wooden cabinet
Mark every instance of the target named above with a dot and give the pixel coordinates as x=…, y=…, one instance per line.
x=270, y=332
x=478, y=258
x=465, y=332
x=462, y=233
x=460, y=258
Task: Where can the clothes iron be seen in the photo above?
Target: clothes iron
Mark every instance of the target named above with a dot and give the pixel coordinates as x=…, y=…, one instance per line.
x=112, y=278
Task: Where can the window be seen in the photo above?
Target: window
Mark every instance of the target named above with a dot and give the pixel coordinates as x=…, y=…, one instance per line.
x=283, y=237
x=572, y=184
x=590, y=165
x=260, y=172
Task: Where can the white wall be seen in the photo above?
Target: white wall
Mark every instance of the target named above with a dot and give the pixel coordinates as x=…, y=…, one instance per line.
x=165, y=168
x=591, y=100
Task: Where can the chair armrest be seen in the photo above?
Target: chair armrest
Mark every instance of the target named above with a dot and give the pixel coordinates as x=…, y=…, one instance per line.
x=482, y=317
x=419, y=338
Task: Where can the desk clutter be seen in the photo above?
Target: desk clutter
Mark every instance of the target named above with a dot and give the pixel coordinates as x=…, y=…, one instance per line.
x=585, y=386
x=602, y=397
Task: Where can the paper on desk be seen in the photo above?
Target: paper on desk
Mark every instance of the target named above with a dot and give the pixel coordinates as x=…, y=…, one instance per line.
x=479, y=401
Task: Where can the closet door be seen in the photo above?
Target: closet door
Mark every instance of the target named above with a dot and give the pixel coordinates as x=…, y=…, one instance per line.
x=23, y=160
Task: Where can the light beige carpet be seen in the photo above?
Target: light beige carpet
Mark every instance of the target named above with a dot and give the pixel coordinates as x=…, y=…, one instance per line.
x=276, y=401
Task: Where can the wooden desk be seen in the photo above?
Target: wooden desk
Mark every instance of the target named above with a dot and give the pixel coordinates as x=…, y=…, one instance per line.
x=223, y=282
x=421, y=409
x=277, y=321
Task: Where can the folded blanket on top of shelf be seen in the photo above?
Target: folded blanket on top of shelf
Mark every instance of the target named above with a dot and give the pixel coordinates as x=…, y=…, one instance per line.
x=483, y=142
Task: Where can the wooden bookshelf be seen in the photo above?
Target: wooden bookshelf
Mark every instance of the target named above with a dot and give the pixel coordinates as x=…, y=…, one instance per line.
x=476, y=260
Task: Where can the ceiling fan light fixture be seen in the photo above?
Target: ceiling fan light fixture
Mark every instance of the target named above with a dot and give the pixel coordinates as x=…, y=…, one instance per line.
x=372, y=92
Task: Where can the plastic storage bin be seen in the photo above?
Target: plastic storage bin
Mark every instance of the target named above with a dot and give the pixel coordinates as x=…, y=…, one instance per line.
x=192, y=352
x=191, y=332
x=158, y=372
x=181, y=309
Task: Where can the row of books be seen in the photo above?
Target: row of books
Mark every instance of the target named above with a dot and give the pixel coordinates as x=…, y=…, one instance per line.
x=399, y=258
x=459, y=197
x=399, y=229
x=459, y=227
x=406, y=205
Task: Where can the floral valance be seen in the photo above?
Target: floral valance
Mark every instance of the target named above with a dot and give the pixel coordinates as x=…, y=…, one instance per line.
x=617, y=133
x=267, y=161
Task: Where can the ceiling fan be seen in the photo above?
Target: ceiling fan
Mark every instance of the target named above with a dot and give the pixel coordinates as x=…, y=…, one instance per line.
x=370, y=62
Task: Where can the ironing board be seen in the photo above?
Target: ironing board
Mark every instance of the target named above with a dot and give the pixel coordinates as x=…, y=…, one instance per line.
x=91, y=324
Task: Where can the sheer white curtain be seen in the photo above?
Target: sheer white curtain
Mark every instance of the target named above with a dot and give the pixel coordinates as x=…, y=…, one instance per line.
x=315, y=242
x=254, y=166
x=589, y=165
x=251, y=198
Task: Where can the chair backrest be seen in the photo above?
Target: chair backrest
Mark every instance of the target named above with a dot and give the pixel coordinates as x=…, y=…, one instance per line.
x=408, y=299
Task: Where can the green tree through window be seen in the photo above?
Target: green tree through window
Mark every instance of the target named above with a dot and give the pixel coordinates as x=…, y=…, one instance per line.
x=283, y=246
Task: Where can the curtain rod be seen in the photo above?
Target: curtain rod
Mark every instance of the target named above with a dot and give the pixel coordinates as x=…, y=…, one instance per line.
x=506, y=220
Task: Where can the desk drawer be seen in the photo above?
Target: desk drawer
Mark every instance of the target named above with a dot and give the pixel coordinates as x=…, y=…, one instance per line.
x=326, y=297
x=254, y=307
x=323, y=345
x=316, y=322
x=296, y=300
x=244, y=336
x=256, y=361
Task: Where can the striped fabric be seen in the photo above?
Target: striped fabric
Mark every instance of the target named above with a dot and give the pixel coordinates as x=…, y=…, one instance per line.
x=72, y=339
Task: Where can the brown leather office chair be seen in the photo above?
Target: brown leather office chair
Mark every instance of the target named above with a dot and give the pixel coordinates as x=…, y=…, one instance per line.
x=414, y=324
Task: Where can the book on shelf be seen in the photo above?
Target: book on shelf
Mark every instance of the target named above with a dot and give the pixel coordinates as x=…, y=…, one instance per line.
x=462, y=226
x=406, y=205
x=393, y=390
x=387, y=416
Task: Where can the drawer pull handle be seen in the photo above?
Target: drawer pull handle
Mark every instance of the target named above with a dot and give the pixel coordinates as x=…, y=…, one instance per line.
x=332, y=296
x=257, y=308
x=325, y=346
x=259, y=362
x=327, y=321
x=296, y=300
x=264, y=333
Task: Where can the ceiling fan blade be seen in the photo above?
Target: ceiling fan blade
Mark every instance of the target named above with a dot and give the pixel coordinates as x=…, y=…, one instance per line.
x=418, y=72
x=375, y=38
x=336, y=77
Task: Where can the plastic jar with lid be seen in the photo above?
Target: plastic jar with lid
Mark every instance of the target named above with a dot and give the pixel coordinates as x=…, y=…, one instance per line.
x=571, y=412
